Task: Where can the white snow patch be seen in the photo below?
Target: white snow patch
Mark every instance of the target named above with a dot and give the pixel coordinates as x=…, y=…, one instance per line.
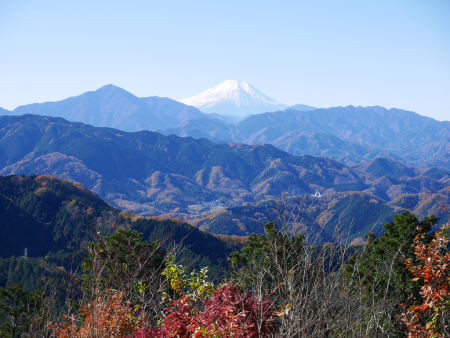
x=234, y=98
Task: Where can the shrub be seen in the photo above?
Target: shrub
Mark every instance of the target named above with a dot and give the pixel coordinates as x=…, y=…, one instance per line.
x=431, y=317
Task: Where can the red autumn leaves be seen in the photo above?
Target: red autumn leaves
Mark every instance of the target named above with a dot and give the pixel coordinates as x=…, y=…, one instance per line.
x=228, y=313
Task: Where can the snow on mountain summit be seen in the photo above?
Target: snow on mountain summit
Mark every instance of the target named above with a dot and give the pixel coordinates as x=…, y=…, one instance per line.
x=234, y=98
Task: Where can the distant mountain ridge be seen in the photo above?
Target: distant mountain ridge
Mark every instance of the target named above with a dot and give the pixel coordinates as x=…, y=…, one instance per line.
x=301, y=107
x=351, y=135
x=233, y=98
x=111, y=106
x=348, y=134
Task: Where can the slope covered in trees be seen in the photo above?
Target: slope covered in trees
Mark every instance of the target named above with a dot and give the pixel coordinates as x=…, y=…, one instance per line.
x=54, y=219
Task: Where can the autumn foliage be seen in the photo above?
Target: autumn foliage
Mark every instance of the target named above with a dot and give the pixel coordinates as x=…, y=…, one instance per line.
x=294, y=297
x=430, y=318
x=196, y=310
x=107, y=316
x=228, y=313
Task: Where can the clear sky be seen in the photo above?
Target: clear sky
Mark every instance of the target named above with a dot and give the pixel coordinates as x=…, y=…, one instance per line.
x=391, y=53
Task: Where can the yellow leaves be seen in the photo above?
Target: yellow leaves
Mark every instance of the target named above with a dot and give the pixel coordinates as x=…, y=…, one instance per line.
x=199, y=285
x=165, y=298
x=177, y=284
x=284, y=311
x=141, y=288
x=175, y=275
x=195, y=284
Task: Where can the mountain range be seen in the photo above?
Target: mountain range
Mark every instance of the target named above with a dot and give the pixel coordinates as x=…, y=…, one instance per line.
x=349, y=134
x=114, y=107
x=152, y=174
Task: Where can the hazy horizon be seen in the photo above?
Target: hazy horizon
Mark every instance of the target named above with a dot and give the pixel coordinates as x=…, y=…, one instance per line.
x=95, y=89
x=321, y=53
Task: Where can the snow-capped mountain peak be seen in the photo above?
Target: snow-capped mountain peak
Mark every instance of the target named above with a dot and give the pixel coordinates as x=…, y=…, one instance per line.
x=236, y=98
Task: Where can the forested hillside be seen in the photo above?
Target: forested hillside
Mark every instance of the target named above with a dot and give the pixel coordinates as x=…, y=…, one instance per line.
x=53, y=220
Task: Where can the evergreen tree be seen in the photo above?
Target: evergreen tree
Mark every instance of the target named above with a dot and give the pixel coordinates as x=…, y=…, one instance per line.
x=18, y=309
x=379, y=275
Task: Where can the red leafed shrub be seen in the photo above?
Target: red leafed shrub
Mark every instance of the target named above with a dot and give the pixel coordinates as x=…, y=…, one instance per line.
x=179, y=317
x=231, y=313
x=430, y=319
x=228, y=313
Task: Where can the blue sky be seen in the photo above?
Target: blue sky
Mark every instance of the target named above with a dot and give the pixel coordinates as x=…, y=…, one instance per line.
x=321, y=53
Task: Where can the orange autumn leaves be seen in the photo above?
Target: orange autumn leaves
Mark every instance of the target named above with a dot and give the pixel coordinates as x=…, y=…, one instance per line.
x=228, y=313
x=194, y=309
x=430, y=318
x=107, y=316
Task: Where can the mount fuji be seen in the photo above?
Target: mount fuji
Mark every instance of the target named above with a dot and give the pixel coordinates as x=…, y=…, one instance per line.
x=234, y=98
